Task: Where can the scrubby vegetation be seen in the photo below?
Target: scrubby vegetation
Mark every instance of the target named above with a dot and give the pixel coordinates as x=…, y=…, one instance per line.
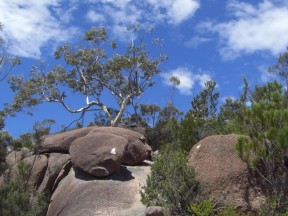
x=17, y=197
x=172, y=183
x=264, y=148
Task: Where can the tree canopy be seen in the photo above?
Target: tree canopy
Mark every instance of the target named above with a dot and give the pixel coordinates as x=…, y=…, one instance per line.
x=92, y=67
x=7, y=62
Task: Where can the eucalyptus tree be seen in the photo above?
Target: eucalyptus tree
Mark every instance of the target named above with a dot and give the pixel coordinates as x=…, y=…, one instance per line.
x=92, y=68
x=150, y=113
x=7, y=62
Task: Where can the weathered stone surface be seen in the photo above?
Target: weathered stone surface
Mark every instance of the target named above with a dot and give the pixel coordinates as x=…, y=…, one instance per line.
x=56, y=161
x=227, y=178
x=81, y=194
x=15, y=156
x=154, y=211
x=39, y=165
x=99, y=154
x=137, y=150
x=118, y=131
x=63, y=173
x=61, y=142
x=137, y=128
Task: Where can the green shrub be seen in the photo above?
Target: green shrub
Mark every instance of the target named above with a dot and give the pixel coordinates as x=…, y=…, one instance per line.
x=19, y=198
x=172, y=183
x=229, y=210
x=204, y=208
x=207, y=208
x=266, y=149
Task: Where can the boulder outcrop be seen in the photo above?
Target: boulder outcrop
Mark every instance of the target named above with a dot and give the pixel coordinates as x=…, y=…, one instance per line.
x=99, y=154
x=137, y=150
x=70, y=164
x=56, y=161
x=13, y=157
x=117, y=195
x=227, y=179
x=96, y=177
x=61, y=142
x=102, y=151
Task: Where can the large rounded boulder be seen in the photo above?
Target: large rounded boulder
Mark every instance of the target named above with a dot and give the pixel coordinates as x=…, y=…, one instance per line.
x=137, y=149
x=99, y=154
x=227, y=179
x=104, y=149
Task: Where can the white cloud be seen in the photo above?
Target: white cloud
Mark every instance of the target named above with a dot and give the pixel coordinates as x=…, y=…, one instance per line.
x=126, y=12
x=32, y=25
x=253, y=29
x=266, y=76
x=196, y=41
x=95, y=17
x=187, y=79
x=181, y=10
x=202, y=79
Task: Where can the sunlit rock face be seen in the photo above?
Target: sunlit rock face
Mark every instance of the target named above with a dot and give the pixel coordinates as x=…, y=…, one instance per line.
x=227, y=179
x=90, y=171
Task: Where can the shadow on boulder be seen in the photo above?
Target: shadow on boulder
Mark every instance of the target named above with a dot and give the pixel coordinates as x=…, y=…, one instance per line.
x=121, y=175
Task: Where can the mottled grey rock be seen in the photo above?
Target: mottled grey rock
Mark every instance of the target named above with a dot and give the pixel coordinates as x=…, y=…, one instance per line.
x=61, y=142
x=81, y=194
x=38, y=165
x=56, y=161
x=99, y=154
x=15, y=156
x=227, y=179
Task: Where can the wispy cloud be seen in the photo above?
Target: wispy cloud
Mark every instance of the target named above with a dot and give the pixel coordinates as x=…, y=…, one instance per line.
x=126, y=12
x=176, y=11
x=253, y=29
x=196, y=41
x=95, y=17
x=187, y=78
x=32, y=25
x=266, y=76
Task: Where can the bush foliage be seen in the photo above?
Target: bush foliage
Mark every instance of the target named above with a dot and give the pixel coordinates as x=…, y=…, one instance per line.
x=19, y=198
x=172, y=183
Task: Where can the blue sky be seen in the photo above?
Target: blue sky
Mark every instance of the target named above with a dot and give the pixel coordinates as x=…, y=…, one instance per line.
x=204, y=40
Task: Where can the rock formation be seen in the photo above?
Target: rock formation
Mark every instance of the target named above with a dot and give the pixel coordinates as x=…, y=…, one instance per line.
x=117, y=195
x=226, y=177
x=15, y=156
x=86, y=171
x=100, y=171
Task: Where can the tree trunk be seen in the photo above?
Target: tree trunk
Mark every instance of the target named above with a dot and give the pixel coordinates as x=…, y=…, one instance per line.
x=116, y=120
